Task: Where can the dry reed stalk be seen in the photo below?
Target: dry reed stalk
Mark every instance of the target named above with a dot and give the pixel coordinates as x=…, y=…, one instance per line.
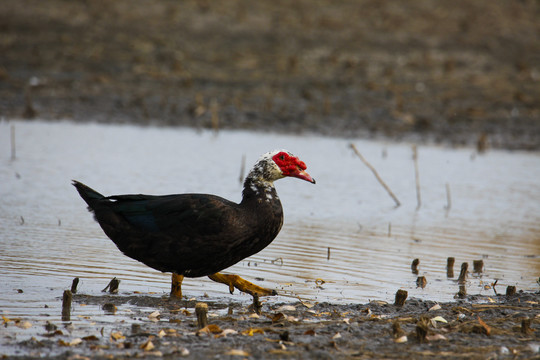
x=417, y=178
x=242, y=169
x=13, y=147
x=376, y=175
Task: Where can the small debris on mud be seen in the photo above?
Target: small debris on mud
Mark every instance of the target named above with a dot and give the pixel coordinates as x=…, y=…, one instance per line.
x=510, y=290
x=474, y=327
x=401, y=296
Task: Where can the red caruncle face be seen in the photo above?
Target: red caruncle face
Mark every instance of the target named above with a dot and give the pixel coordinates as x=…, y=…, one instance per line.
x=288, y=164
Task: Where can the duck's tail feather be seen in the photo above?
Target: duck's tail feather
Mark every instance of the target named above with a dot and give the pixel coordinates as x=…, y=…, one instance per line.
x=88, y=194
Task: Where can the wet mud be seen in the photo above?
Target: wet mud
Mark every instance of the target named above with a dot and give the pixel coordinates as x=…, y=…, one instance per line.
x=454, y=73
x=475, y=327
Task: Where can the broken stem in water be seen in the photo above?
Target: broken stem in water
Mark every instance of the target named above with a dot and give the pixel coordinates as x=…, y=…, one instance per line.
x=214, y=115
x=417, y=177
x=450, y=267
x=74, y=284
x=66, y=305
x=242, y=169
x=414, y=266
x=112, y=286
x=201, y=310
x=448, y=198
x=376, y=174
x=13, y=153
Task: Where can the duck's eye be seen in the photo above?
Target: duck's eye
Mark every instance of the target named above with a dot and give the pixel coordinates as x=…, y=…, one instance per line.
x=282, y=157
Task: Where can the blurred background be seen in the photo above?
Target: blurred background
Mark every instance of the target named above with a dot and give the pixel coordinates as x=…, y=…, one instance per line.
x=460, y=72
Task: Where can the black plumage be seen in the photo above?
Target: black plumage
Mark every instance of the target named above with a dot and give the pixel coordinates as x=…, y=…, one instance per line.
x=197, y=234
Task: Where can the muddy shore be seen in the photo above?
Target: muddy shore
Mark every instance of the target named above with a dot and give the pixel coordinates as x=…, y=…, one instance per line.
x=476, y=327
x=453, y=73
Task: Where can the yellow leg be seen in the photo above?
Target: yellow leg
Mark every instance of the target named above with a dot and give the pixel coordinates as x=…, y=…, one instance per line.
x=235, y=281
x=176, y=285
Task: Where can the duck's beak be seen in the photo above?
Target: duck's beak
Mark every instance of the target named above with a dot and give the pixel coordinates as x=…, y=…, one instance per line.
x=302, y=174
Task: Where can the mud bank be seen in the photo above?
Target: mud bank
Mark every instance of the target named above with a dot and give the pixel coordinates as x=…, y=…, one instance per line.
x=477, y=327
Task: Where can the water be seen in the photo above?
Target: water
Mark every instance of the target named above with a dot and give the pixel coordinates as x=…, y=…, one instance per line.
x=343, y=239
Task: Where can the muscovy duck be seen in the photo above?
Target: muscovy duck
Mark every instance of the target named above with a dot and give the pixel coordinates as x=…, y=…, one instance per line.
x=197, y=235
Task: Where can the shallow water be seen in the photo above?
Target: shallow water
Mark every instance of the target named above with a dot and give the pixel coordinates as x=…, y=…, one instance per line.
x=345, y=230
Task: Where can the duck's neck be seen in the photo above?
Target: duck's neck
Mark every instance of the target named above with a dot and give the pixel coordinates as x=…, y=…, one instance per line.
x=258, y=189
